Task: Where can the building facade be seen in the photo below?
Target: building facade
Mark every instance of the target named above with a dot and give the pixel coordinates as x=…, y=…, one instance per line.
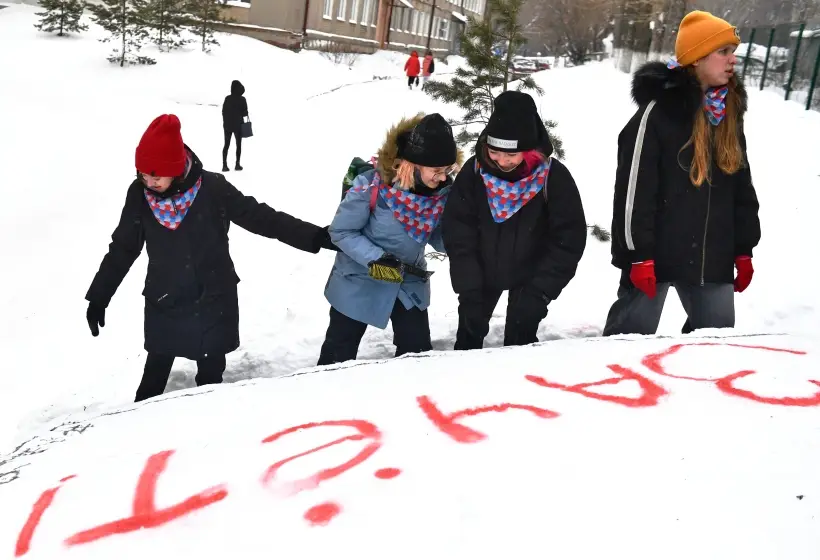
x=361, y=25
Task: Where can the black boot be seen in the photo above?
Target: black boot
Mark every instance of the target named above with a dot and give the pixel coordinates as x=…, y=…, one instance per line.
x=238, y=167
x=225, y=167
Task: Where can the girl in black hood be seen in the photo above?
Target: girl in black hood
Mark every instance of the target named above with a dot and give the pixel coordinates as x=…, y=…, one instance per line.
x=234, y=111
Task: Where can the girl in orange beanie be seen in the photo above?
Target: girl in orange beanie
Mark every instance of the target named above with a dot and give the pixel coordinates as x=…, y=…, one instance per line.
x=685, y=209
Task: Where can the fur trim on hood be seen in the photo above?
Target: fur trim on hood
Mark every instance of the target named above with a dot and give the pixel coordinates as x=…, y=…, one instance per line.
x=676, y=91
x=388, y=153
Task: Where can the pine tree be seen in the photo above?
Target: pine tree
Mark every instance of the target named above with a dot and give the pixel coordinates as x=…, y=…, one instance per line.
x=488, y=46
x=62, y=16
x=125, y=21
x=165, y=19
x=205, y=14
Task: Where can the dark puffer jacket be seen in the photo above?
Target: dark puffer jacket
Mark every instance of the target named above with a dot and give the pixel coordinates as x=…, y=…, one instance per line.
x=191, y=307
x=539, y=246
x=693, y=234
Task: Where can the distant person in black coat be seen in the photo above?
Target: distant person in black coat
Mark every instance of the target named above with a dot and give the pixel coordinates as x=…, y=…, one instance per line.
x=234, y=111
x=181, y=214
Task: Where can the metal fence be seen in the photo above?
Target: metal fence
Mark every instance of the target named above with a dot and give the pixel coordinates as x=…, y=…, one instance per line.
x=784, y=58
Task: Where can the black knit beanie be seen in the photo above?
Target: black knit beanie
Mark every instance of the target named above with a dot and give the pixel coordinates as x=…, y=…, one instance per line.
x=430, y=143
x=514, y=125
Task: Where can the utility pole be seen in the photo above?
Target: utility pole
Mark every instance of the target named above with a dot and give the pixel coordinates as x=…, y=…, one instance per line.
x=430, y=29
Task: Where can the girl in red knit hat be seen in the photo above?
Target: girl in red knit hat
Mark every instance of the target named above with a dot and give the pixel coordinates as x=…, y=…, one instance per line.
x=182, y=214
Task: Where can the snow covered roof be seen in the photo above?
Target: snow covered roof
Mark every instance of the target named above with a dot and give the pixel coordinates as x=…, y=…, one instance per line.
x=807, y=34
x=408, y=4
x=459, y=16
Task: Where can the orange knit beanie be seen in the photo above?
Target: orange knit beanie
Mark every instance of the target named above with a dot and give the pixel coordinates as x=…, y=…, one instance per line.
x=700, y=34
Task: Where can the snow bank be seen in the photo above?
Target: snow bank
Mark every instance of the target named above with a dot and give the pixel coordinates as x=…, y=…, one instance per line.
x=680, y=448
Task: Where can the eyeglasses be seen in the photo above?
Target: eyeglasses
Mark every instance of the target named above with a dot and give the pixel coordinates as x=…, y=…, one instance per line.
x=446, y=172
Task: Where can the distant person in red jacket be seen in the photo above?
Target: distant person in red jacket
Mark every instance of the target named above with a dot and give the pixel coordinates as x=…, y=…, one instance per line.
x=413, y=69
x=428, y=66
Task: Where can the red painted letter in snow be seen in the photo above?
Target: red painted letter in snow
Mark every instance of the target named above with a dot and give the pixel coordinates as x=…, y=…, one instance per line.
x=40, y=507
x=145, y=514
x=651, y=391
x=365, y=431
x=448, y=424
x=654, y=362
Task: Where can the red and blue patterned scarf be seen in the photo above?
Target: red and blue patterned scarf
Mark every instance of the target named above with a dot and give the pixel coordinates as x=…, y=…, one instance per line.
x=172, y=210
x=506, y=198
x=420, y=215
x=714, y=102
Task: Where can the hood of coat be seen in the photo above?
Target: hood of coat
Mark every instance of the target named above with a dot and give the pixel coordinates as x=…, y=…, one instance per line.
x=388, y=153
x=676, y=91
x=237, y=88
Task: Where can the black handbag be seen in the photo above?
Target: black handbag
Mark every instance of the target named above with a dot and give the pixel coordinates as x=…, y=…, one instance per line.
x=247, y=129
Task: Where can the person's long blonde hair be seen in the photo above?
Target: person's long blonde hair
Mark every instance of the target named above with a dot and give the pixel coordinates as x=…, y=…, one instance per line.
x=727, y=149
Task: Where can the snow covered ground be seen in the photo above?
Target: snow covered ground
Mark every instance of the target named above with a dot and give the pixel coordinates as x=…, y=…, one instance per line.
x=707, y=471
x=594, y=448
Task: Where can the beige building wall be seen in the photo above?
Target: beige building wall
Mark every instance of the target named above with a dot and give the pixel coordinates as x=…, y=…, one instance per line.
x=353, y=22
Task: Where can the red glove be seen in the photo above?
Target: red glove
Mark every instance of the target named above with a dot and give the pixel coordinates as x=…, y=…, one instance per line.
x=643, y=277
x=745, y=271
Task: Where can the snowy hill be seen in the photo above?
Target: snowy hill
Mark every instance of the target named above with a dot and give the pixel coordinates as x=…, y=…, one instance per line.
x=596, y=448
x=721, y=466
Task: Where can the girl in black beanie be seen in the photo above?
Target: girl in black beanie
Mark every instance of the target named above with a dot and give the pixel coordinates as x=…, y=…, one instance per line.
x=514, y=221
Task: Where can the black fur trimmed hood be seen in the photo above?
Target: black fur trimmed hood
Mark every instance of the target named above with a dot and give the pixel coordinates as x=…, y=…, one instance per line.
x=676, y=91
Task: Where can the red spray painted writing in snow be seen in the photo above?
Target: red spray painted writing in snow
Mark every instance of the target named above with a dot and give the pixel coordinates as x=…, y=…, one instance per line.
x=145, y=513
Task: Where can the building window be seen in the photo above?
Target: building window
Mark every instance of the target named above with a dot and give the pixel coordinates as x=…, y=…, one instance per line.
x=342, y=9
x=444, y=33
x=414, y=26
x=368, y=6
x=354, y=10
x=328, y=13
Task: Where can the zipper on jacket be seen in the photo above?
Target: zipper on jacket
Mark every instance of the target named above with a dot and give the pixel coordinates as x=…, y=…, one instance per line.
x=174, y=204
x=705, y=230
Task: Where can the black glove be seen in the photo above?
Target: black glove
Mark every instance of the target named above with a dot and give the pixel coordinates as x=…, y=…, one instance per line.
x=323, y=240
x=528, y=302
x=387, y=268
x=96, y=318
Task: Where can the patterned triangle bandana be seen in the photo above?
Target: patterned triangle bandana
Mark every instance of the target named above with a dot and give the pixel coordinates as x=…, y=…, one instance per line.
x=714, y=102
x=171, y=211
x=506, y=198
x=419, y=215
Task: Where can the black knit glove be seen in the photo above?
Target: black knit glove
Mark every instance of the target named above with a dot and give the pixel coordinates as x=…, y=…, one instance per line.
x=96, y=318
x=387, y=268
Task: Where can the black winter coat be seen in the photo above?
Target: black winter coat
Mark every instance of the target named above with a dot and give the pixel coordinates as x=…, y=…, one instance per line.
x=539, y=246
x=191, y=307
x=693, y=234
x=235, y=107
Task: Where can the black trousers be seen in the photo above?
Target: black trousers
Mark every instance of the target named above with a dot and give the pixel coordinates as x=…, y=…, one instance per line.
x=707, y=306
x=411, y=334
x=520, y=328
x=158, y=369
x=412, y=80
x=236, y=133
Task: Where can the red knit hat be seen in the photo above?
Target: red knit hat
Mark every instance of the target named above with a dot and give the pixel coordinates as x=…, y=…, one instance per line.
x=161, y=152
